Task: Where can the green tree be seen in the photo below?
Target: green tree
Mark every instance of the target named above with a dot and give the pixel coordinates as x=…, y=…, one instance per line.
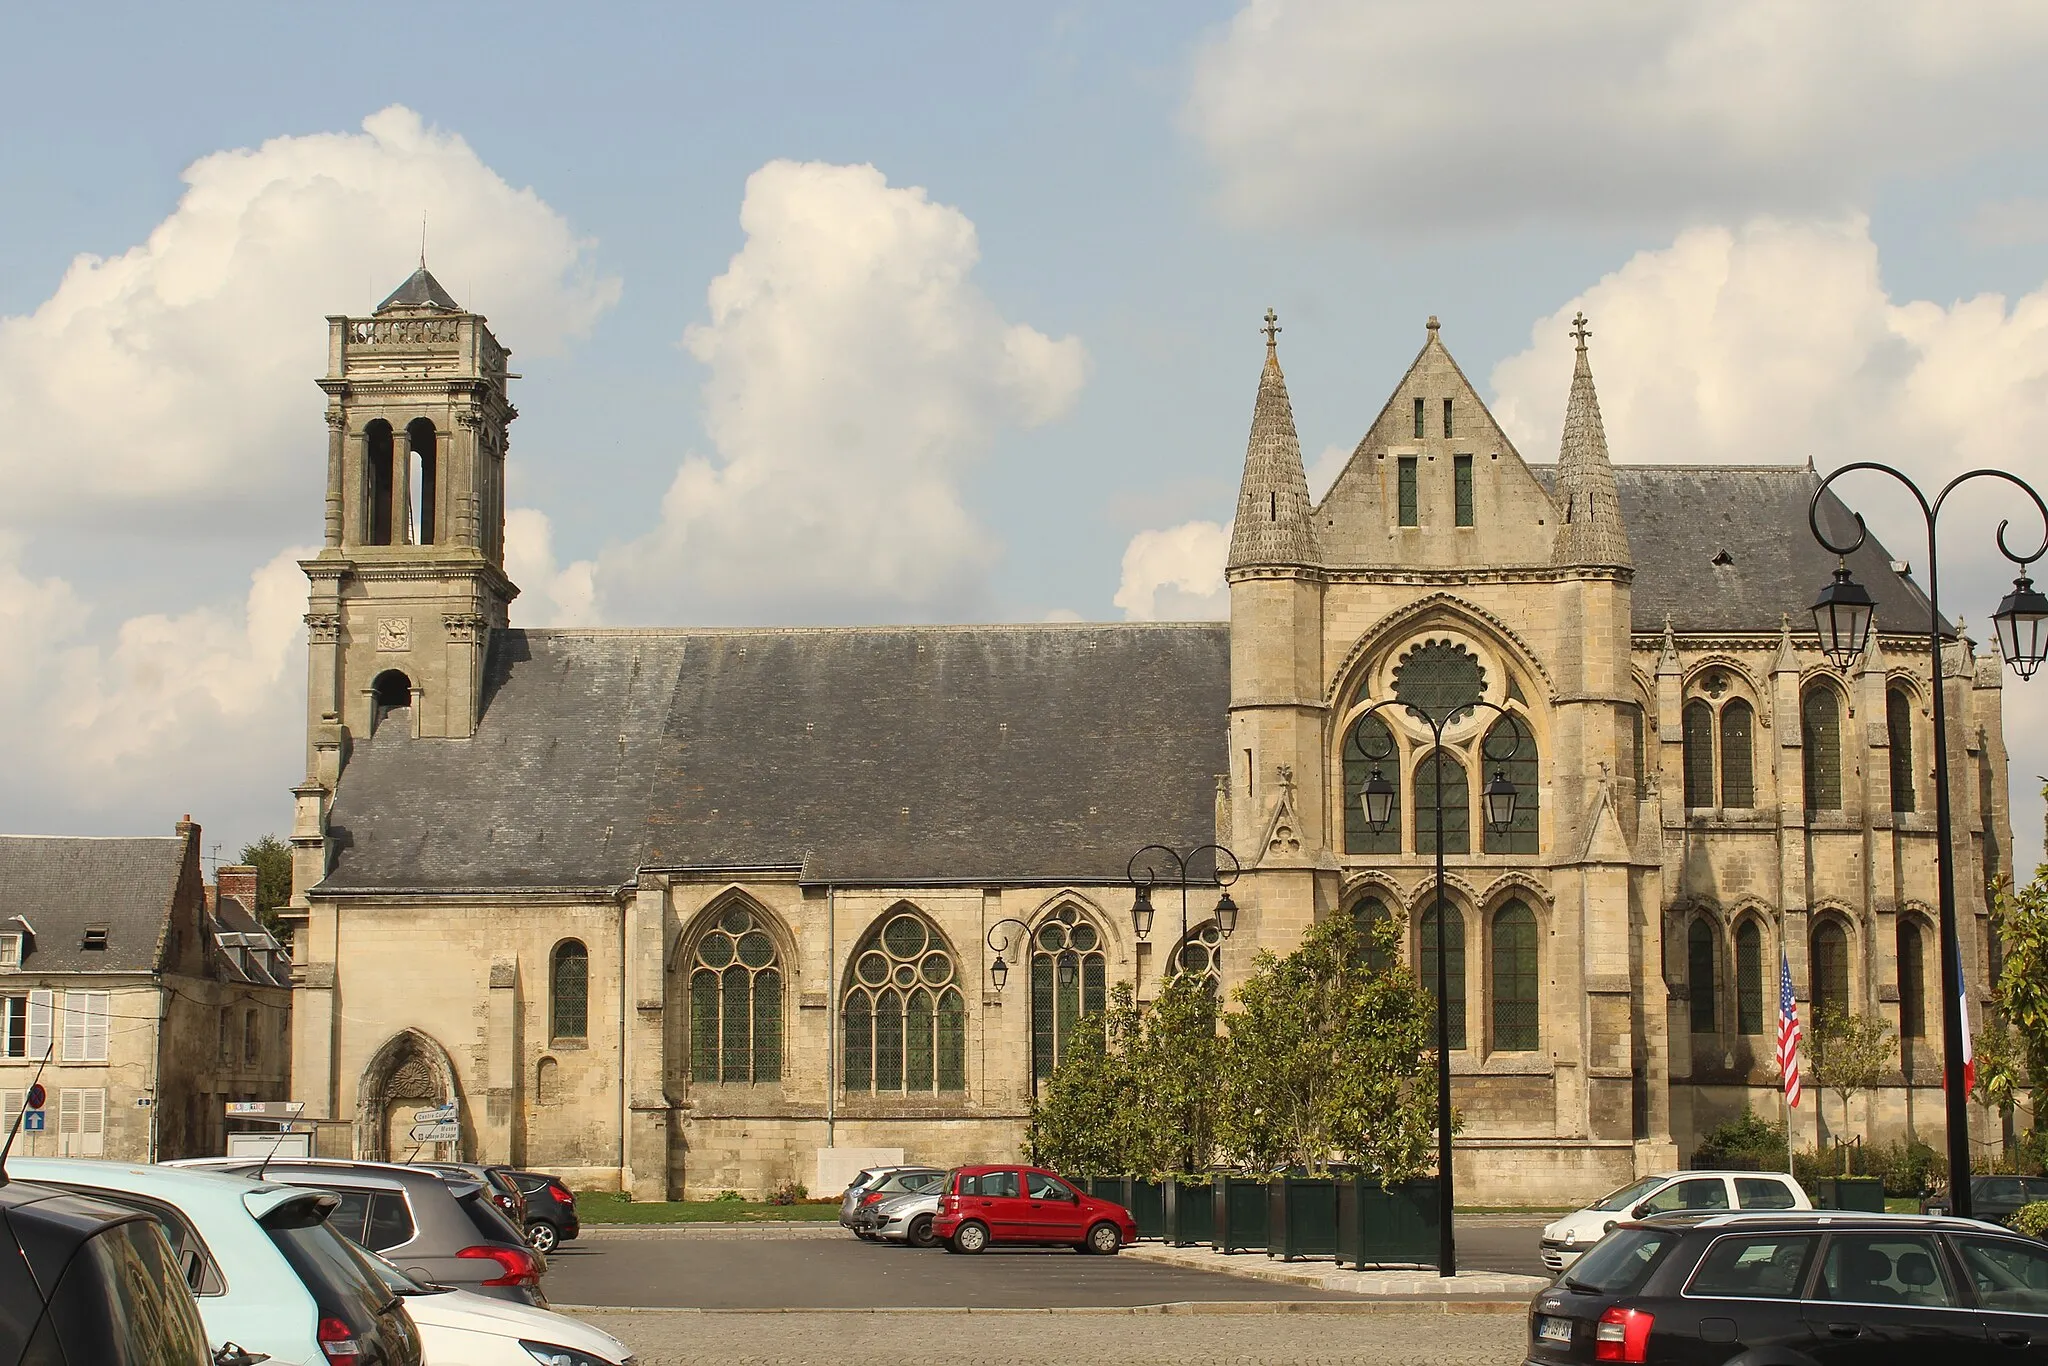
x=1085, y=1119
x=1849, y=1054
x=2020, y=919
x=1327, y=1058
x=1175, y=1061
x=271, y=857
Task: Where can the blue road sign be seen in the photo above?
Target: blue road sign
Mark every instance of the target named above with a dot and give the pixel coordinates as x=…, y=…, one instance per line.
x=32, y=1120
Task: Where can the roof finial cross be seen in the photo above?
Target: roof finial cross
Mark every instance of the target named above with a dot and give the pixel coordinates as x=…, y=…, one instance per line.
x=1580, y=331
x=1271, y=329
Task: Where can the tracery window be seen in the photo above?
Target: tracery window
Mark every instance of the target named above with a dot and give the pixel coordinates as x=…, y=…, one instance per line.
x=1457, y=806
x=1898, y=723
x=569, y=991
x=905, y=1019
x=1370, y=736
x=1454, y=966
x=1515, y=998
x=736, y=1002
x=1069, y=983
x=1749, y=978
x=1520, y=836
x=1367, y=913
x=1738, y=756
x=1698, y=720
x=1820, y=726
x=1200, y=953
x=1699, y=975
x=1830, y=967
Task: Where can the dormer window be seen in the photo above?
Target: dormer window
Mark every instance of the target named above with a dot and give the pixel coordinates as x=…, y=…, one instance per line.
x=10, y=951
x=95, y=938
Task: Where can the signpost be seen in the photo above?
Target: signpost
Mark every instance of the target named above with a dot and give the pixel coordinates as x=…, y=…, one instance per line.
x=437, y=1124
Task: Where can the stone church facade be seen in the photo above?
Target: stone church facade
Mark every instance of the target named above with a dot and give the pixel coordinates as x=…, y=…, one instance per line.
x=675, y=909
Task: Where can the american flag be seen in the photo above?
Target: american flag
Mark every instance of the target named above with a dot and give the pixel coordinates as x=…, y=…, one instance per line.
x=1788, y=1032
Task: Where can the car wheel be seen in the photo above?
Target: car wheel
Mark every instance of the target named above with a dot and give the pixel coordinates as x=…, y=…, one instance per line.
x=865, y=1235
x=542, y=1236
x=1104, y=1240
x=970, y=1237
x=920, y=1233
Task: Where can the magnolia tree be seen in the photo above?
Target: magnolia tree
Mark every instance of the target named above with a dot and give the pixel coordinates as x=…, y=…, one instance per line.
x=1849, y=1054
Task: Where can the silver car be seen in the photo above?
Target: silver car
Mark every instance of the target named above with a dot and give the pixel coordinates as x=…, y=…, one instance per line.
x=876, y=1185
x=901, y=1206
x=858, y=1188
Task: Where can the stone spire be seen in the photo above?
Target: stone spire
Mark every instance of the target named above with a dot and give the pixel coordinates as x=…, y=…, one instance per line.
x=1272, y=502
x=1589, y=531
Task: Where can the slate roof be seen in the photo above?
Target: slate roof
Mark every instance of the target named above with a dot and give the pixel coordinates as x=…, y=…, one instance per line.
x=1273, y=526
x=420, y=290
x=999, y=754
x=1681, y=518
x=60, y=884
x=246, y=952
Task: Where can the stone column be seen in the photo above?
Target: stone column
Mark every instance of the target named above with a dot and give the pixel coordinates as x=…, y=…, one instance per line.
x=497, y=1128
x=337, y=440
x=644, y=1157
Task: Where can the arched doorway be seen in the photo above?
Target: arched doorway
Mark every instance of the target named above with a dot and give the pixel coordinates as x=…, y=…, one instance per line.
x=411, y=1072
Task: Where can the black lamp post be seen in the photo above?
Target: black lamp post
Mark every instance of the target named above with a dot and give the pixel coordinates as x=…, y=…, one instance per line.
x=1498, y=798
x=999, y=941
x=1141, y=900
x=1842, y=615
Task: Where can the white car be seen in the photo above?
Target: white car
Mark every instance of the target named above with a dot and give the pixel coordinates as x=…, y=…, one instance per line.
x=458, y=1328
x=1565, y=1241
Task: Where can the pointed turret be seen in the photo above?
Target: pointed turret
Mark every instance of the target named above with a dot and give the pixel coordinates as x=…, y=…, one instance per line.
x=1589, y=528
x=421, y=290
x=1273, y=525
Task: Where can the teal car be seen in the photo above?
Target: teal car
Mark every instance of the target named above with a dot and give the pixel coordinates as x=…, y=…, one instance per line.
x=268, y=1273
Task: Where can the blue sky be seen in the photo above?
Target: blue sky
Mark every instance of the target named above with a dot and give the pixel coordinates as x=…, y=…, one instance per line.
x=1816, y=235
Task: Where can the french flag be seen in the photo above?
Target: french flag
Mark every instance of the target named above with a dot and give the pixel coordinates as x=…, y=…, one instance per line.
x=1969, y=1044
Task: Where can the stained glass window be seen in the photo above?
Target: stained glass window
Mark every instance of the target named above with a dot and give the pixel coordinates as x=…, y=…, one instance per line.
x=1457, y=804
x=905, y=1019
x=1515, y=999
x=1200, y=953
x=1069, y=984
x=1461, y=474
x=1898, y=722
x=1912, y=981
x=1821, y=735
x=1699, y=975
x=736, y=1002
x=1830, y=967
x=1512, y=732
x=1738, y=756
x=1699, y=755
x=1454, y=967
x=1370, y=736
x=569, y=997
x=1410, y=515
x=1749, y=978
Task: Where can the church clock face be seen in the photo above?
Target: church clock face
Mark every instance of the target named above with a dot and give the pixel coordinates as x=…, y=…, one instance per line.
x=394, y=633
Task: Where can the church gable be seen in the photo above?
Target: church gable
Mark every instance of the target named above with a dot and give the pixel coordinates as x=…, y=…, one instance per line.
x=1435, y=484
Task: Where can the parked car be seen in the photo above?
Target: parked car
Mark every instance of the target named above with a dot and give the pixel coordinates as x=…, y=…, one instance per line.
x=84, y=1282
x=434, y=1227
x=984, y=1205
x=550, y=1210
x=1799, y=1286
x=268, y=1271
x=462, y=1329
x=1994, y=1198
x=906, y=1182
x=906, y=1216
x=497, y=1180
x=862, y=1182
x=1566, y=1240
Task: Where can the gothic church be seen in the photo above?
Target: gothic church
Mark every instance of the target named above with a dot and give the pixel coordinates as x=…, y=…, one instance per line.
x=684, y=910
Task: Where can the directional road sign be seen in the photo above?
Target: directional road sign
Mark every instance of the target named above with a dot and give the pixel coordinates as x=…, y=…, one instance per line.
x=438, y=1114
x=447, y=1131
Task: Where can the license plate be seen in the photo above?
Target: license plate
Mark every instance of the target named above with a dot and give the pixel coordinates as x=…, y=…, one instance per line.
x=1553, y=1330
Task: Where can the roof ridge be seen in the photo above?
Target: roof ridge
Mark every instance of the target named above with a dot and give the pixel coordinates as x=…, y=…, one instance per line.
x=944, y=628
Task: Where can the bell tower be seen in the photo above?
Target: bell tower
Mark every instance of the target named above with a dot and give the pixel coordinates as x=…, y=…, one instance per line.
x=411, y=581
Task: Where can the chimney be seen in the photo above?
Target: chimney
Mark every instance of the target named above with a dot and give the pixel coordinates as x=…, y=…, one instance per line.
x=185, y=826
x=238, y=880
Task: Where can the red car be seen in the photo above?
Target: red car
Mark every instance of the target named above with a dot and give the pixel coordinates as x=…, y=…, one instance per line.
x=983, y=1205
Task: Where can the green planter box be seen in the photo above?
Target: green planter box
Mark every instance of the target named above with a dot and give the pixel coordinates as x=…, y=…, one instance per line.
x=1301, y=1217
x=1861, y=1193
x=1146, y=1200
x=1398, y=1227
x=1190, y=1213
x=1239, y=1220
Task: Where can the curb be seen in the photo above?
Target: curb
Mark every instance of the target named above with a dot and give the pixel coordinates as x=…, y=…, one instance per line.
x=1477, y=1285
x=788, y=1229
x=1192, y=1307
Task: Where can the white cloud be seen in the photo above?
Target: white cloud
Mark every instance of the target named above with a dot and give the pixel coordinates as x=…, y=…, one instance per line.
x=1390, y=115
x=550, y=594
x=856, y=373
x=1323, y=470
x=1778, y=341
x=177, y=375
x=1176, y=574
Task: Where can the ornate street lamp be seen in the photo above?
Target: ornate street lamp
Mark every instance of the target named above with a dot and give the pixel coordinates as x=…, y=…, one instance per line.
x=999, y=941
x=1842, y=615
x=1498, y=802
x=1141, y=900
x=1141, y=911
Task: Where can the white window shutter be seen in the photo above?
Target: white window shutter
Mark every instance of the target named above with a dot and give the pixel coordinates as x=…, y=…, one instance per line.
x=71, y=1007
x=67, y=1113
x=40, y=1004
x=10, y=1109
x=92, y=1125
x=95, y=1015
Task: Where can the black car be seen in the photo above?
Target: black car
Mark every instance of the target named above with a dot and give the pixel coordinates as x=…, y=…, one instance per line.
x=84, y=1282
x=550, y=1209
x=1804, y=1288
x=1996, y=1198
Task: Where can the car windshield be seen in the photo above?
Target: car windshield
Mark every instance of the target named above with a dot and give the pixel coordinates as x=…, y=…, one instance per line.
x=1628, y=1194
x=396, y=1281
x=913, y=1182
x=1621, y=1263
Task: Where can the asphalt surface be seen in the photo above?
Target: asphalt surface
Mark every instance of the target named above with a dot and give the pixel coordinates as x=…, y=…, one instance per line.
x=842, y=1272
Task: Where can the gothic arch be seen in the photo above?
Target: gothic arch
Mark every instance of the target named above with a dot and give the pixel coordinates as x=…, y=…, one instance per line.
x=1113, y=927
x=1524, y=885
x=1455, y=613
x=706, y=919
x=1695, y=671
x=728, y=1015
x=410, y=1064
x=1368, y=881
x=1455, y=887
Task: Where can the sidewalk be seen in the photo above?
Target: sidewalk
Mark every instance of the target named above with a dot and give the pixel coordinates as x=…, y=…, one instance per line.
x=1492, y=1286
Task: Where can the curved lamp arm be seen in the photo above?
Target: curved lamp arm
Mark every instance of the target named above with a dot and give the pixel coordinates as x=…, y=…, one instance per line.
x=999, y=967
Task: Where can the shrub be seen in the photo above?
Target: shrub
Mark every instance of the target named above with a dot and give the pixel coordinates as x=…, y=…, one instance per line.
x=788, y=1193
x=1745, y=1142
x=728, y=1198
x=2031, y=1220
x=1908, y=1169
